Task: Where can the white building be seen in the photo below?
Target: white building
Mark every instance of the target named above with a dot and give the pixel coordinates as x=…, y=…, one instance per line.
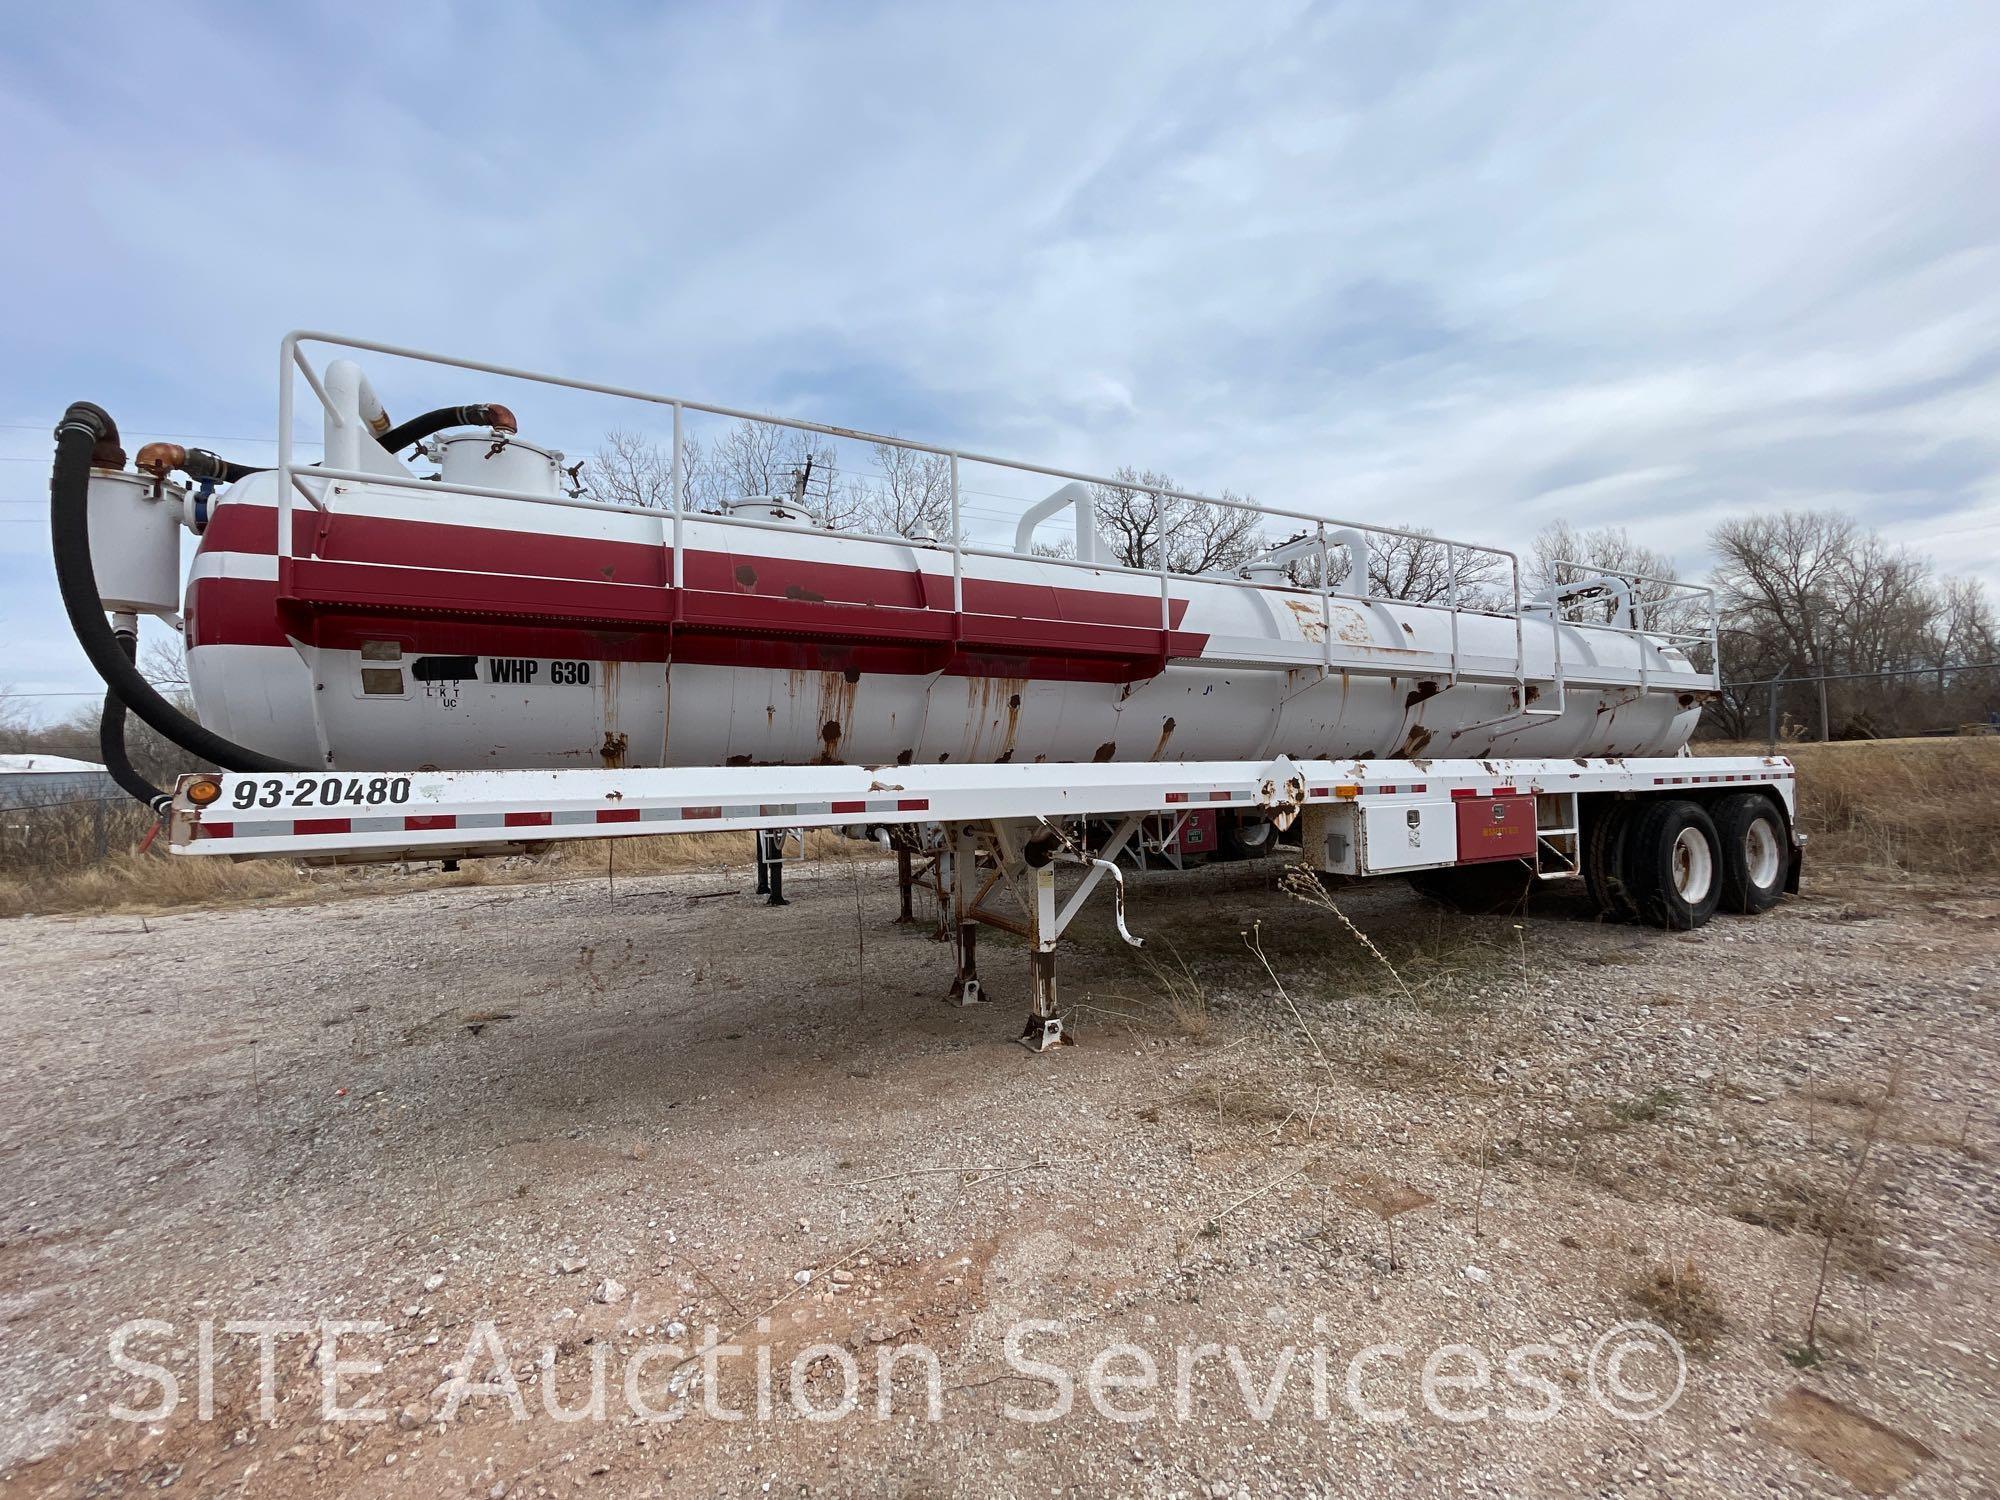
x=39, y=780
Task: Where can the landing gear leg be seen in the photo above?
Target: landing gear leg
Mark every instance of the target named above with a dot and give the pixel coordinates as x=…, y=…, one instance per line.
x=962, y=851
x=905, y=881
x=771, y=866
x=1045, y=1024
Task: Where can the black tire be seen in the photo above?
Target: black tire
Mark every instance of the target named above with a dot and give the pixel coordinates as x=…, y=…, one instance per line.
x=1246, y=838
x=1604, y=863
x=1751, y=834
x=1480, y=890
x=1673, y=861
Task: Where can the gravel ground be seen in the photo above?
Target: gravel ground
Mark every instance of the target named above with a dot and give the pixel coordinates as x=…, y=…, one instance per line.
x=597, y=1125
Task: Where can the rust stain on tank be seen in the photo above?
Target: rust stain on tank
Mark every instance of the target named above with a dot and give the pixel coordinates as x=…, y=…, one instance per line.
x=803, y=595
x=987, y=713
x=746, y=576
x=1166, y=733
x=616, y=743
x=1423, y=690
x=1414, y=743
x=836, y=712
x=1105, y=751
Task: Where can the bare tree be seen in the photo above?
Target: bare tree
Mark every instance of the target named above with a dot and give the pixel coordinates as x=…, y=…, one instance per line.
x=1963, y=628
x=1420, y=569
x=15, y=721
x=1808, y=593
x=1415, y=568
x=1779, y=577
x=1564, y=555
x=758, y=458
x=164, y=663
x=1150, y=528
x=630, y=468
x=912, y=496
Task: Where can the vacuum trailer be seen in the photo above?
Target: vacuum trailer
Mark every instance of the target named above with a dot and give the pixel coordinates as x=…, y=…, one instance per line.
x=394, y=665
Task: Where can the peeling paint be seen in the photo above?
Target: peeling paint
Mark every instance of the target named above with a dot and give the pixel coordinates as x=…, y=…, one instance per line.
x=1307, y=617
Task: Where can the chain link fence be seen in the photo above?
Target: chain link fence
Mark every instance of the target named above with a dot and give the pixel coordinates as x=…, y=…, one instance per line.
x=1896, y=703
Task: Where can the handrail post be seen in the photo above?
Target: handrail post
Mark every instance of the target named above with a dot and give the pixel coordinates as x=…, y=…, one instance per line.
x=674, y=481
x=1451, y=604
x=1325, y=602
x=957, y=546
x=287, y=352
x=1521, y=635
x=1714, y=639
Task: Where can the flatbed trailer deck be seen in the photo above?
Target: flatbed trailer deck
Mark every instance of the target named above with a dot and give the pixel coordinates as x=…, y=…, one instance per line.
x=1665, y=839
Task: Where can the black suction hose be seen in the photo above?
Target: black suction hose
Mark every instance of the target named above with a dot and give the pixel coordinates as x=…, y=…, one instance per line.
x=486, y=414
x=196, y=463
x=84, y=428
x=111, y=740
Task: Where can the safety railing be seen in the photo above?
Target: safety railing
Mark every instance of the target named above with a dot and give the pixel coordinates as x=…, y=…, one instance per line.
x=297, y=481
x=1696, y=619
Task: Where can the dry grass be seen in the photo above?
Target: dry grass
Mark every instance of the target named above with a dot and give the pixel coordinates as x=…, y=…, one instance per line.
x=156, y=881
x=1923, y=807
x=1680, y=1299
x=1790, y=1204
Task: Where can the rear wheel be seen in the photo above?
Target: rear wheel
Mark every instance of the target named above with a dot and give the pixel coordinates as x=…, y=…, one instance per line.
x=1673, y=863
x=1751, y=836
x=1482, y=889
x=1604, y=863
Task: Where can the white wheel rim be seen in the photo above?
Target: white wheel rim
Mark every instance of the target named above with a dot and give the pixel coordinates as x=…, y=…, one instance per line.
x=1694, y=866
x=1760, y=854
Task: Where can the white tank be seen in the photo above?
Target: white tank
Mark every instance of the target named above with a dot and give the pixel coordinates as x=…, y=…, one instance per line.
x=424, y=629
x=496, y=462
x=135, y=542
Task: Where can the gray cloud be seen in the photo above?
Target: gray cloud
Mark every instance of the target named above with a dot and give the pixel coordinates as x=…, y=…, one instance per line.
x=1474, y=267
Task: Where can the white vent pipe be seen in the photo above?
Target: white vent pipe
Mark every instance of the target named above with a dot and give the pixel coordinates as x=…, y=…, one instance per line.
x=1075, y=495
x=352, y=413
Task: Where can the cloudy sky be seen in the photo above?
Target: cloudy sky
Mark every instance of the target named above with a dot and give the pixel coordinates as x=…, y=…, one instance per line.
x=1470, y=267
